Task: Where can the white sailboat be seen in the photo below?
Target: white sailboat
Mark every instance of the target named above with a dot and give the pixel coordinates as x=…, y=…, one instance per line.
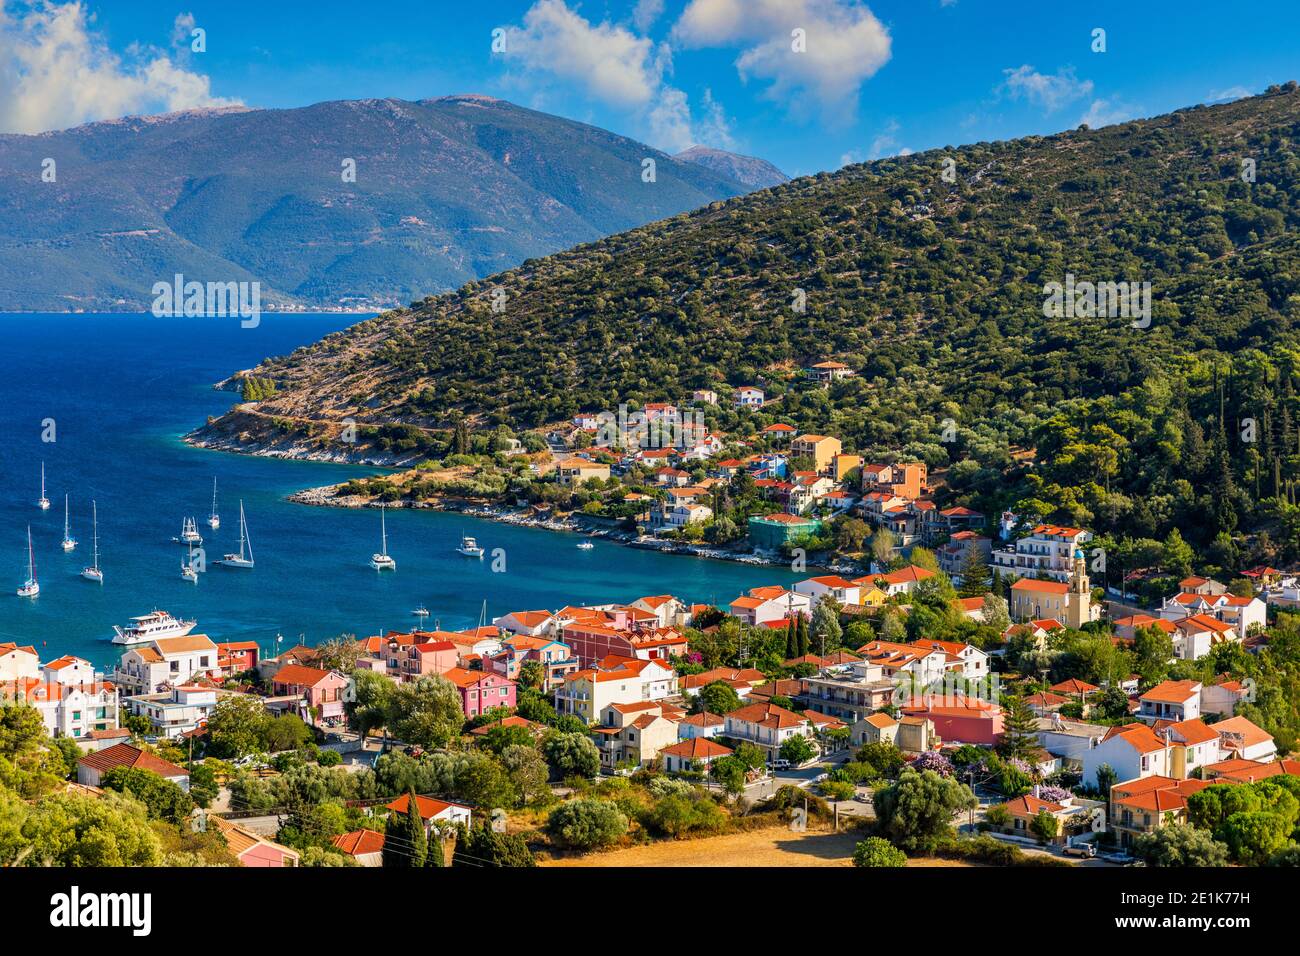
x=30, y=587
x=93, y=573
x=189, y=533
x=214, y=519
x=69, y=542
x=381, y=561
x=42, y=502
x=244, y=559
x=469, y=547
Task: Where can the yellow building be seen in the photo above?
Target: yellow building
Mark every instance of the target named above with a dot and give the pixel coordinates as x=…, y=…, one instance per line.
x=846, y=467
x=574, y=471
x=822, y=449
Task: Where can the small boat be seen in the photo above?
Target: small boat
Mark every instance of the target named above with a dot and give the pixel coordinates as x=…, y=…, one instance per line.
x=69, y=542
x=188, y=570
x=151, y=627
x=93, y=573
x=421, y=611
x=30, y=587
x=214, y=519
x=42, y=502
x=189, y=533
x=585, y=545
x=469, y=547
x=381, y=561
x=244, y=559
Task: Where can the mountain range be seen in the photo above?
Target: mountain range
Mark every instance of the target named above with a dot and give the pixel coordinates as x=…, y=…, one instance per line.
x=445, y=191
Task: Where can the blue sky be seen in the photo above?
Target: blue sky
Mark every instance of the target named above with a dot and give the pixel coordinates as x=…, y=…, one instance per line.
x=874, y=79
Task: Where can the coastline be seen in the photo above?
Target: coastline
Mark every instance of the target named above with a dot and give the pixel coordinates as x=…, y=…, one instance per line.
x=323, y=497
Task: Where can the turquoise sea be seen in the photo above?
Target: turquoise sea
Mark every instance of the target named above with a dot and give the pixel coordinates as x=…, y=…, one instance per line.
x=121, y=390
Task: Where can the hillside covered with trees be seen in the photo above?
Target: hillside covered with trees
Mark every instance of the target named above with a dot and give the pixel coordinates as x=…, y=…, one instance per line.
x=932, y=291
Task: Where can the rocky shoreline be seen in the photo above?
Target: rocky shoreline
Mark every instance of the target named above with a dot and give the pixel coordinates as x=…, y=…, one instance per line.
x=326, y=496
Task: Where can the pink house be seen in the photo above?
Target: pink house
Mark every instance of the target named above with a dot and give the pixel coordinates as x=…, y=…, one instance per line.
x=959, y=720
x=251, y=849
x=428, y=659
x=322, y=692
x=480, y=690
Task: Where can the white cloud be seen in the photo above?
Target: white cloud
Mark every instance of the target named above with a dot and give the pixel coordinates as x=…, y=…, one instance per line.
x=55, y=73
x=1225, y=96
x=844, y=46
x=1108, y=112
x=615, y=66
x=1048, y=90
x=646, y=13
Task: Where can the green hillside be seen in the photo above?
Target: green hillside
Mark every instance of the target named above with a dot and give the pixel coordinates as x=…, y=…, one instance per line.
x=933, y=292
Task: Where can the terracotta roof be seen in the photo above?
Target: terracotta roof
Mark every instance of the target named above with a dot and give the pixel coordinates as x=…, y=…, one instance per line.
x=359, y=841
x=124, y=755
x=427, y=806
x=1250, y=733
x=1075, y=686
x=299, y=675
x=1049, y=587
x=1173, y=692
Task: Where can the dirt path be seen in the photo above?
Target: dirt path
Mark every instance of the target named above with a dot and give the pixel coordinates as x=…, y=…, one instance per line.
x=775, y=846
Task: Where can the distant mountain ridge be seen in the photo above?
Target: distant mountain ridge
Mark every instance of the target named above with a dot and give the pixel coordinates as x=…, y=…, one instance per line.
x=447, y=190
x=750, y=170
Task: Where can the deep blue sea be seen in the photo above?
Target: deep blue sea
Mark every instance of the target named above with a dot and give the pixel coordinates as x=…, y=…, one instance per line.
x=122, y=390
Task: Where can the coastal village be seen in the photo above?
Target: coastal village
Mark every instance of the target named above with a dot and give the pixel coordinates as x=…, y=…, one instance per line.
x=966, y=661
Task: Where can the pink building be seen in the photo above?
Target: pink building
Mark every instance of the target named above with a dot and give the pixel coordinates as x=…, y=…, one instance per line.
x=959, y=720
x=480, y=690
x=322, y=692
x=426, y=660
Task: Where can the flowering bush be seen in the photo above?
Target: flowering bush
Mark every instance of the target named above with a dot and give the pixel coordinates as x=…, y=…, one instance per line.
x=1054, y=794
x=933, y=760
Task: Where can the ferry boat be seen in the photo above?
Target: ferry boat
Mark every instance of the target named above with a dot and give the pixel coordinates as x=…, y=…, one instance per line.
x=381, y=560
x=30, y=587
x=189, y=533
x=469, y=547
x=244, y=559
x=151, y=627
x=94, y=573
x=42, y=502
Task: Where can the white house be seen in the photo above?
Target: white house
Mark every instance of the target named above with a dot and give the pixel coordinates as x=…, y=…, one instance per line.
x=771, y=603
x=971, y=661
x=842, y=590
x=17, y=663
x=747, y=396
x=165, y=663
x=1239, y=737
x=1171, y=700
x=768, y=725
x=171, y=713
x=1132, y=751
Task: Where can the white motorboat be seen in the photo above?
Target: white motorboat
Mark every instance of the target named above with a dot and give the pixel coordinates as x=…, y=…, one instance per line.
x=421, y=611
x=244, y=559
x=469, y=547
x=42, y=502
x=585, y=545
x=381, y=560
x=214, y=519
x=30, y=587
x=189, y=570
x=69, y=542
x=94, y=573
x=151, y=627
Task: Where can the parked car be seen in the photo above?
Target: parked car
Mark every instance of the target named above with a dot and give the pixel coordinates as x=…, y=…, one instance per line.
x=1088, y=850
x=779, y=764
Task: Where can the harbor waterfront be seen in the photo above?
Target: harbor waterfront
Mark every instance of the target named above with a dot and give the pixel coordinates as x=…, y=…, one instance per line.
x=107, y=420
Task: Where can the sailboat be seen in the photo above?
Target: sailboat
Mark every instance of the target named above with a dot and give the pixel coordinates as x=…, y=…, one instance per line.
x=30, y=587
x=189, y=533
x=244, y=559
x=42, y=502
x=469, y=547
x=93, y=573
x=382, y=561
x=214, y=519
x=69, y=542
